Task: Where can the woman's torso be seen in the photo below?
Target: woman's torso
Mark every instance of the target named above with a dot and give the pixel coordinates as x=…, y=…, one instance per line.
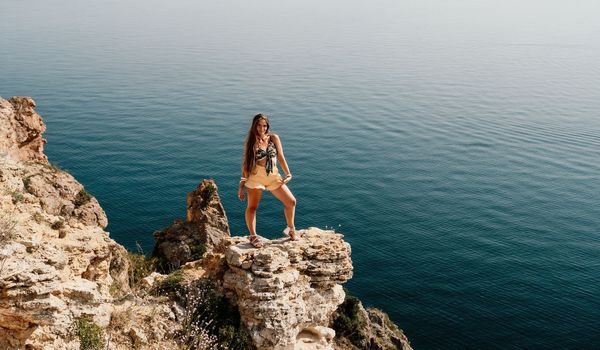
x=265, y=150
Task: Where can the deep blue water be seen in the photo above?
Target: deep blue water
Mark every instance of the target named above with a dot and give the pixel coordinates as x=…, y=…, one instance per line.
x=455, y=145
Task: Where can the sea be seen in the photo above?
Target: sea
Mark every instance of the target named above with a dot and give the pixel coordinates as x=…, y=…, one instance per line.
x=455, y=144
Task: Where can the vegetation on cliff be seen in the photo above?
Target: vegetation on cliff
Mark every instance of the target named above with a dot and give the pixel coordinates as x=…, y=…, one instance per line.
x=358, y=328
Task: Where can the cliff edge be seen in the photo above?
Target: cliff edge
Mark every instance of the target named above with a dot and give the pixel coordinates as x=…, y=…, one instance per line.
x=65, y=284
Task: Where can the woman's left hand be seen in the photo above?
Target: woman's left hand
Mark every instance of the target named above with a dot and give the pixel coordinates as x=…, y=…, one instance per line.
x=287, y=178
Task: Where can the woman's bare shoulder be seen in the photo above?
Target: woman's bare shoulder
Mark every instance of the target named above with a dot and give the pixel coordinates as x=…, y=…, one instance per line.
x=274, y=136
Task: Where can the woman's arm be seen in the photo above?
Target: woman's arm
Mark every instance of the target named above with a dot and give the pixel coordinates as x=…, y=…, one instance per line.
x=243, y=180
x=280, y=155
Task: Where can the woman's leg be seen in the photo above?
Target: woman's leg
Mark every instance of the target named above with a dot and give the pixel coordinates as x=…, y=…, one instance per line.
x=253, y=199
x=286, y=197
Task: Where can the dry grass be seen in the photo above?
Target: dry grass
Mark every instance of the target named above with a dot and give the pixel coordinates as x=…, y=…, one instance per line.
x=7, y=234
x=7, y=227
x=120, y=318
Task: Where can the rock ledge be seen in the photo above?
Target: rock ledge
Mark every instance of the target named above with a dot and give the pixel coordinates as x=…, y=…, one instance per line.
x=289, y=288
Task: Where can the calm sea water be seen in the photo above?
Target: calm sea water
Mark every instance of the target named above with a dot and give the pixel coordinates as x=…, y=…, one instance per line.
x=455, y=144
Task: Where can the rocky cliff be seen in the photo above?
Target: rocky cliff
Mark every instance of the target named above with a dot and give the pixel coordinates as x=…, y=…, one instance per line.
x=57, y=264
x=65, y=284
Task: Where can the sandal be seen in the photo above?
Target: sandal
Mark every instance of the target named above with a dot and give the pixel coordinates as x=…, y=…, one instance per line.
x=295, y=235
x=255, y=241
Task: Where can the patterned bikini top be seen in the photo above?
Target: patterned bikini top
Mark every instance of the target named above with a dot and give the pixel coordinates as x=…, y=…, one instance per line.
x=270, y=153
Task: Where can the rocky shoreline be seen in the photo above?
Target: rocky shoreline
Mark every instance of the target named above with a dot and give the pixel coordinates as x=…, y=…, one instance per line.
x=65, y=284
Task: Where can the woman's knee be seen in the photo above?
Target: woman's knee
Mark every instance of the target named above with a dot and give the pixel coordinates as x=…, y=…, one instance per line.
x=251, y=208
x=291, y=202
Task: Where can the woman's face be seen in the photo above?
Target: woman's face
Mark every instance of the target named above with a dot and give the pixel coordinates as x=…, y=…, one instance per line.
x=261, y=127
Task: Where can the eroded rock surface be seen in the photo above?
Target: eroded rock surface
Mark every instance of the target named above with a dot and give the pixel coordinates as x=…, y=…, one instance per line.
x=21, y=130
x=374, y=329
x=287, y=291
x=205, y=227
x=57, y=264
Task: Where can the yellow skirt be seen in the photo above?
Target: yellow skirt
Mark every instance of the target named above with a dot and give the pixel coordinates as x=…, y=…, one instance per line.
x=260, y=180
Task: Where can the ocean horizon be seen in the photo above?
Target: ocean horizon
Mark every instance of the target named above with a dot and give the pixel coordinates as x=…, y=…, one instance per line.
x=455, y=145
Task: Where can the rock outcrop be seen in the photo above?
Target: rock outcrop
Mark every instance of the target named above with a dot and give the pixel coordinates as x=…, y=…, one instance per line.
x=369, y=328
x=58, y=266
x=21, y=131
x=57, y=263
x=287, y=291
x=205, y=227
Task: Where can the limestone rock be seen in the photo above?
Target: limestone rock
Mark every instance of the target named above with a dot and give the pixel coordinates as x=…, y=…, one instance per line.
x=287, y=291
x=56, y=262
x=375, y=330
x=205, y=227
x=150, y=281
x=385, y=332
x=143, y=324
x=21, y=131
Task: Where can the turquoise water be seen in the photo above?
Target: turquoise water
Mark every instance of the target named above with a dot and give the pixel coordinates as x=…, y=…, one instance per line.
x=455, y=145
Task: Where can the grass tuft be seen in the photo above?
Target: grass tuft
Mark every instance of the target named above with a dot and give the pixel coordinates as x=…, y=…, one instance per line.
x=82, y=198
x=27, y=183
x=17, y=197
x=139, y=267
x=209, y=321
x=7, y=228
x=171, y=284
x=207, y=194
x=198, y=250
x=90, y=335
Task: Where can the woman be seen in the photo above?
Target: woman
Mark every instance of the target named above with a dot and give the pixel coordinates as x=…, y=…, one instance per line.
x=262, y=150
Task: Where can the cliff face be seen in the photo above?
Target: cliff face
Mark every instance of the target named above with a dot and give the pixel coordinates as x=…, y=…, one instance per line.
x=58, y=266
x=287, y=291
x=57, y=262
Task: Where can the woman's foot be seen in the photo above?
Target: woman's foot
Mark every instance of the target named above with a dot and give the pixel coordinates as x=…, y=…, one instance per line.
x=291, y=232
x=255, y=241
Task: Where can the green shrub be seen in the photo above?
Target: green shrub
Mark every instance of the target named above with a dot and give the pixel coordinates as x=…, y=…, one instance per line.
x=348, y=321
x=198, y=250
x=17, y=197
x=27, y=183
x=207, y=193
x=82, y=198
x=115, y=289
x=171, y=284
x=90, y=334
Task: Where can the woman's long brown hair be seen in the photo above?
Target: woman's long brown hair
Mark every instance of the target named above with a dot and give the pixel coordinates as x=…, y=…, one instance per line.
x=248, y=160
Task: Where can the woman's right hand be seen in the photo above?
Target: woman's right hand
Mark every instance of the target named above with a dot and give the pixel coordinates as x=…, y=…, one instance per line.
x=241, y=193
